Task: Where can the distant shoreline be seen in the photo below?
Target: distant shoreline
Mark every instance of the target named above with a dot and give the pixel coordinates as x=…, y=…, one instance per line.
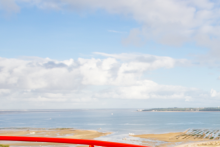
x=178, y=111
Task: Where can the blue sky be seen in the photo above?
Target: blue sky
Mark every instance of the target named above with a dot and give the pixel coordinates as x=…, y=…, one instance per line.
x=94, y=54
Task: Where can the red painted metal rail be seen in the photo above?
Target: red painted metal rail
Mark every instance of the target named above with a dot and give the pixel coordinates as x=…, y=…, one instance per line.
x=91, y=143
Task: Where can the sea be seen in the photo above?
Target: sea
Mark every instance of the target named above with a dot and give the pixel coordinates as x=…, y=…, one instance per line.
x=120, y=122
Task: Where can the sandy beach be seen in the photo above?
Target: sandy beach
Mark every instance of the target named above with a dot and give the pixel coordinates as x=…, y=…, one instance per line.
x=60, y=132
x=179, y=139
x=201, y=144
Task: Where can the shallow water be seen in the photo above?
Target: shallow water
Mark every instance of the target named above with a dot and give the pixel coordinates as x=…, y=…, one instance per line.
x=119, y=121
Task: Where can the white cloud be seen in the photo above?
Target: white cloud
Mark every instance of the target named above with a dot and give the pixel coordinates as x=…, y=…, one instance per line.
x=147, y=89
x=38, y=80
x=9, y=6
x=4, y=91
x=214, y=93
x=134, y=38
x=47, y=73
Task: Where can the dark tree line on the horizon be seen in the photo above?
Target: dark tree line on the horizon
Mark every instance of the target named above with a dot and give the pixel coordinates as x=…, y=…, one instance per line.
x=184, y=109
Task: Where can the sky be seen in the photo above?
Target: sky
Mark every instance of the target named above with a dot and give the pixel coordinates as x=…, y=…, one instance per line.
x=100, y=54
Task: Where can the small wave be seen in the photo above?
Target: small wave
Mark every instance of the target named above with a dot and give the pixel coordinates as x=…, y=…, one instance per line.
x=132, y=124
x=98, y=124
x=189, y=123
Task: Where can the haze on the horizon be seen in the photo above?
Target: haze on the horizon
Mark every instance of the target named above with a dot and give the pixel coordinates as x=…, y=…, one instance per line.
x=67, y=54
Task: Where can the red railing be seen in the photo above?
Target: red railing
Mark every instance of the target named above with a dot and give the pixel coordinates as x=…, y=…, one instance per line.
x=91, y=143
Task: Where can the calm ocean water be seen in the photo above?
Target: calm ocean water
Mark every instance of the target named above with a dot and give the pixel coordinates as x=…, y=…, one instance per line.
x=119, y=121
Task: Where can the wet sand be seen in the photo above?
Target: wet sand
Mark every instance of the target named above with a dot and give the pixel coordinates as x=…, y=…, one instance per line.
x=63, y=133
x=201, y=144
x=169, y=137
x=179, y=139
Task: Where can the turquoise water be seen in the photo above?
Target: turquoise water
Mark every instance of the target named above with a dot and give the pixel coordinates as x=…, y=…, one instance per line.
x=119, y=121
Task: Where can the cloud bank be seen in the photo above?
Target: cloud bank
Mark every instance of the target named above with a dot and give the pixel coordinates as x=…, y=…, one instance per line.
x=116, y=76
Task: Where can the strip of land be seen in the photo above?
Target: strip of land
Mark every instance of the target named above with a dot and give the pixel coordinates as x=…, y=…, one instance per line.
x=60, y=132
x=176, y=109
